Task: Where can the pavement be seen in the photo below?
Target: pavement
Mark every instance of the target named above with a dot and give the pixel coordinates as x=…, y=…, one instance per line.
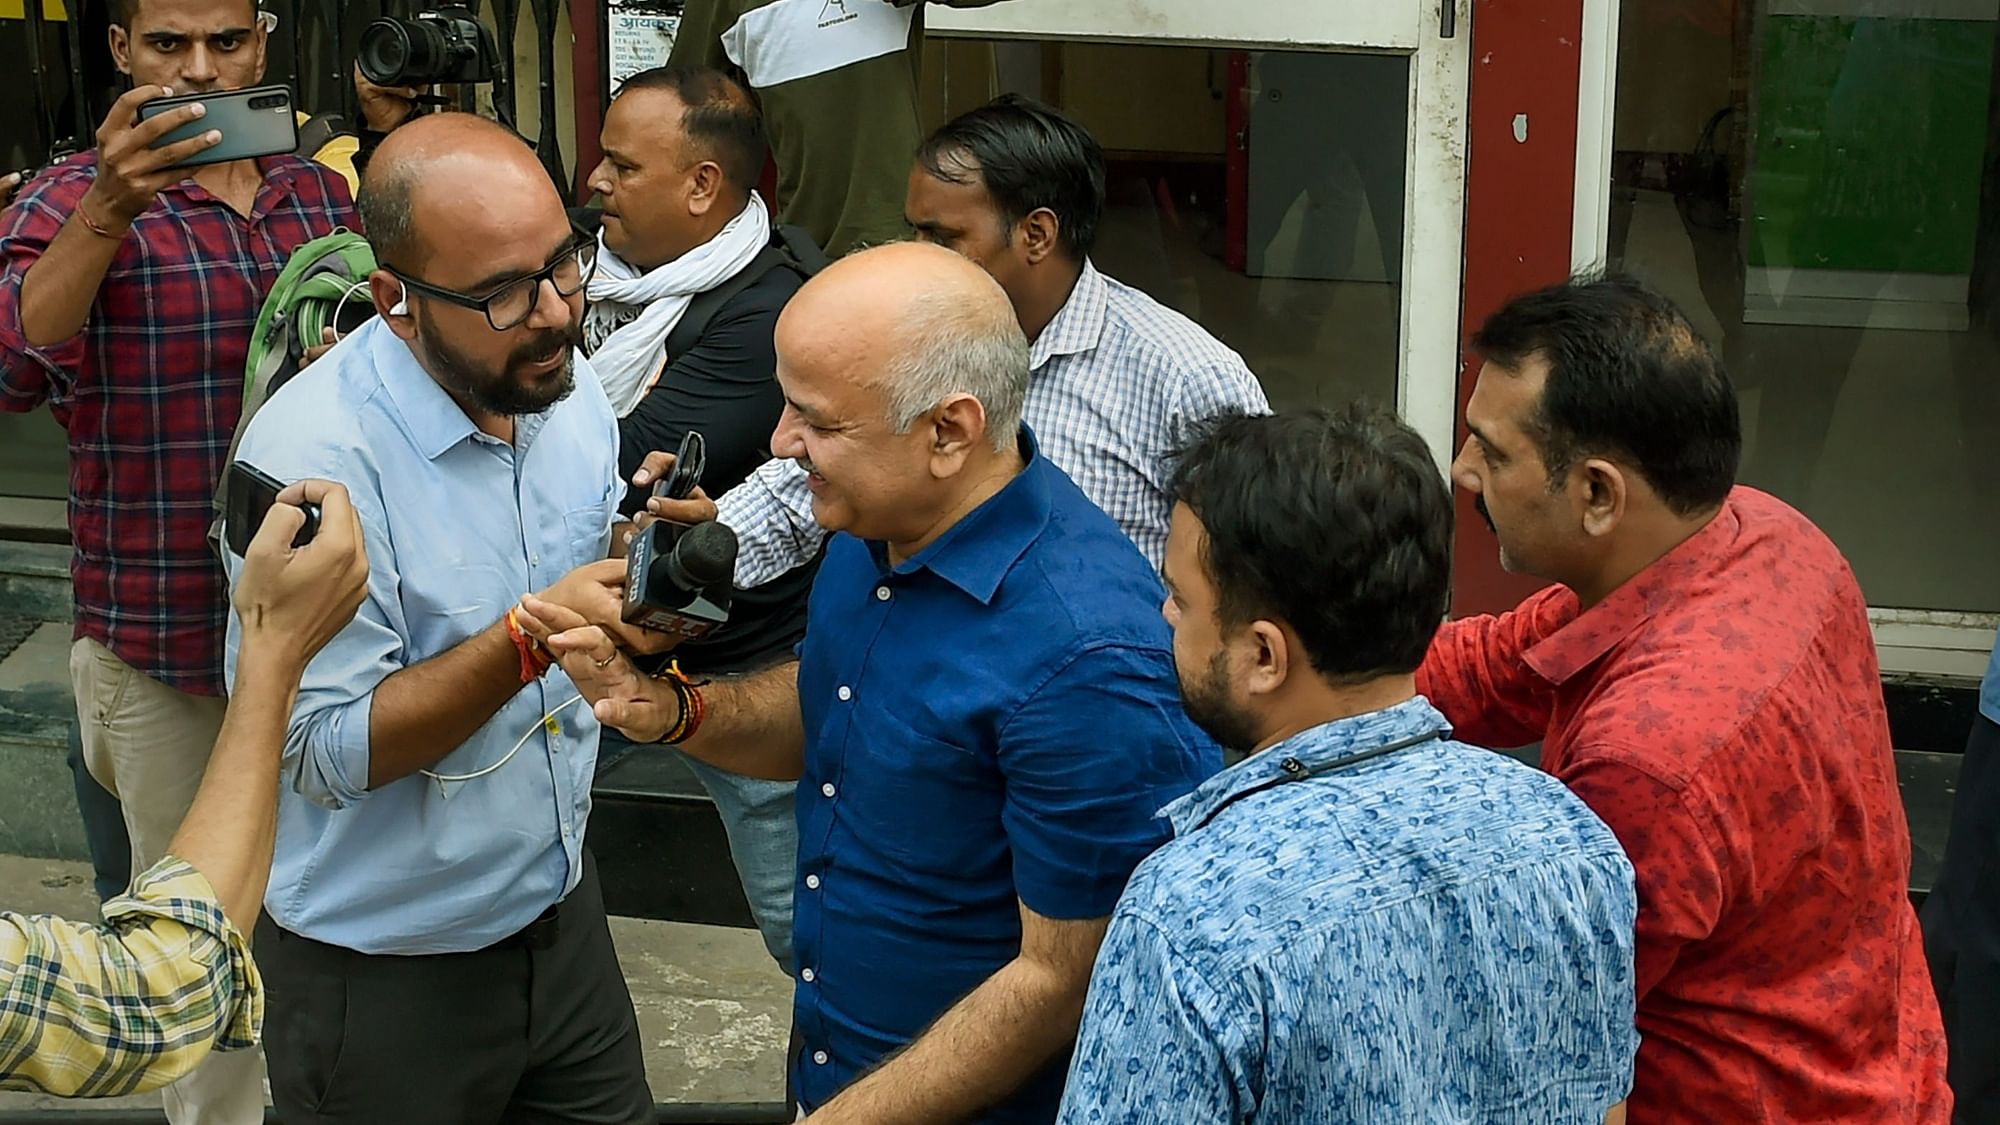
x=714, y=1010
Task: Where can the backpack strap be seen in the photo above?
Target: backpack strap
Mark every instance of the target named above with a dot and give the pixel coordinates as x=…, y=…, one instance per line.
x=779, y=253
x=317, y=132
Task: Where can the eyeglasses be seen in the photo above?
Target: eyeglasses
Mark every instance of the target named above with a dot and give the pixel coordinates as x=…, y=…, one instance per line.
x=513, y=301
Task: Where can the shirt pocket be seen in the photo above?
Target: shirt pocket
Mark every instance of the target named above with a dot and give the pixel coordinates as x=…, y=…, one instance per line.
x=931, y=806
x=587, y=534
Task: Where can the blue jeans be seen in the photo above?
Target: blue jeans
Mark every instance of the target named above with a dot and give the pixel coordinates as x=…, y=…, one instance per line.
x=761, y=821
x=103, y=826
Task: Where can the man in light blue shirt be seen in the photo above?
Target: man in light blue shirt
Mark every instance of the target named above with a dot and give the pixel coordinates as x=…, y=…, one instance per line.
x=436, y=947
x=1364, y=920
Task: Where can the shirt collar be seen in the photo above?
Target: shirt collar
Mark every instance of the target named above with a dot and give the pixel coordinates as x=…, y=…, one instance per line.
x=280, y=183
x=433, y=421
x=1079, y=324
x=1582, y=642
x=975, y=553
x=1316, y=749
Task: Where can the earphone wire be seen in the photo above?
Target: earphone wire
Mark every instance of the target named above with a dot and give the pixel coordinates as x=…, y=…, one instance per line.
x=475, y=775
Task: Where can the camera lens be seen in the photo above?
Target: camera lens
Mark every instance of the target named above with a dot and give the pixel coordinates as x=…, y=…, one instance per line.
x=397, y=52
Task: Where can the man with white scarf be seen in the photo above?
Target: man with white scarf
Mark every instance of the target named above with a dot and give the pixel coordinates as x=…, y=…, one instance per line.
x=690, y=279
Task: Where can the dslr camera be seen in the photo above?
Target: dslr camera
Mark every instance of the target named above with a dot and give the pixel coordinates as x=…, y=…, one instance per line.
x=443, y=46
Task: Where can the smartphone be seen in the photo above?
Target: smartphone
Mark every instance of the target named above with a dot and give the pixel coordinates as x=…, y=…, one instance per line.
x=685, y=476
x=257, y=121
x=252, y=491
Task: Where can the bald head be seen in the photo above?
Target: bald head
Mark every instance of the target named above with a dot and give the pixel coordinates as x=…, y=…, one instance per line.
x=452, y=180
x=925, y=322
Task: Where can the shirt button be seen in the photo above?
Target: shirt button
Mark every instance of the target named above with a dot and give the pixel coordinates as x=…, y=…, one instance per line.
x=845, y=693
x=806, y=975
x=536, y=559
x=819, y=1058
x=812, y=882
x=826, y=790
x=881, y=593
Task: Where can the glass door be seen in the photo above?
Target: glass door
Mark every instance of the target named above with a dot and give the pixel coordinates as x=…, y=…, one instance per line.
x=1288, y=173
x=1818, y=183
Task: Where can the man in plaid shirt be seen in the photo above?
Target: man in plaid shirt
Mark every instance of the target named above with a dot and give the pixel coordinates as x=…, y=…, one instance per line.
x=128, y=289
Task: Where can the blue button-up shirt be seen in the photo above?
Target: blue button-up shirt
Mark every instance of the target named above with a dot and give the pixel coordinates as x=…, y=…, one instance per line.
x=995, y=719
x=458, y=526
x=1437, y=933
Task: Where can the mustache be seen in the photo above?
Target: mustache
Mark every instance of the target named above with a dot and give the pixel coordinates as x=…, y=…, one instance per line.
x=539, y=345
x=1479, y=505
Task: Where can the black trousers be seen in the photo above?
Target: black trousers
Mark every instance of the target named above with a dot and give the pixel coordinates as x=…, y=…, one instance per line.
x=536, y=1029
x=1962, y=931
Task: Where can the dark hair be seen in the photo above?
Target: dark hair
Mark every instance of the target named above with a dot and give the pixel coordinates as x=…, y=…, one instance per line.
x=1629, y=378
x=1336, y=522
x=719, y=117
x=124, y=11
x=1028, y=156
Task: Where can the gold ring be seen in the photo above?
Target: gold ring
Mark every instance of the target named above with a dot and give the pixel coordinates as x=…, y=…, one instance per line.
x=606, y=662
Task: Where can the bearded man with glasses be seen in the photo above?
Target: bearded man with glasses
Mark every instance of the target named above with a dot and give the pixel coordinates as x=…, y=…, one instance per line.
x=435, y=946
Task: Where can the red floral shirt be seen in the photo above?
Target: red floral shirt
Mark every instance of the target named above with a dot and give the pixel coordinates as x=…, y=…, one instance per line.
x=1723, y=713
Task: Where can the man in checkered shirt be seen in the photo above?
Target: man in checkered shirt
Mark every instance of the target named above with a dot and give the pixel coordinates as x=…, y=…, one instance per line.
x=1118, y=382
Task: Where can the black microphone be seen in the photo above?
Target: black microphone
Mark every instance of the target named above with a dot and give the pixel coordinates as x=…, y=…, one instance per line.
x=679, y=579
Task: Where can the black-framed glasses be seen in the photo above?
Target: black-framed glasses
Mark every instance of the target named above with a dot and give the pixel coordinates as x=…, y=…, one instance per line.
x=511, y=302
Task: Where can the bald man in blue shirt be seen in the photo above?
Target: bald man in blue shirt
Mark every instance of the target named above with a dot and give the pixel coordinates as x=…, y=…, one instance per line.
x=984, y=715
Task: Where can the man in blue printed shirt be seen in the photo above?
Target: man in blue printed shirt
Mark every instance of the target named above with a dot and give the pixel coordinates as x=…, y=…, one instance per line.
x=1364, y=920
x=983, y=712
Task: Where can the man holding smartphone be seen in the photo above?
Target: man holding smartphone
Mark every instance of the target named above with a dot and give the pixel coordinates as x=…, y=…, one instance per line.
x=128, y=289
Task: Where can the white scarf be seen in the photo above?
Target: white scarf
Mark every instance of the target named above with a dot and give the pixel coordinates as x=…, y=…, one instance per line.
x=630, y=359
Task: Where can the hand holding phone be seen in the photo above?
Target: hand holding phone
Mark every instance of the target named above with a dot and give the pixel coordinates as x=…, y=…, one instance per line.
x=251, y=494
x=251, y=122
x=130, y=169
x=685, y=475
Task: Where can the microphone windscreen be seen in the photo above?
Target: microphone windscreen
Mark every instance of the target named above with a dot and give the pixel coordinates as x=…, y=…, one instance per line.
x=706, y=553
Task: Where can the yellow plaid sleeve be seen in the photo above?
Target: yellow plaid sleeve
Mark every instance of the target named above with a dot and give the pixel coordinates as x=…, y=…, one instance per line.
x=131, y=1004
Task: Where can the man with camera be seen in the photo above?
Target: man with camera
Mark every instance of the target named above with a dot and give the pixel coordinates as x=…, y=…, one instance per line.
x=130, y=287
x=435, y=941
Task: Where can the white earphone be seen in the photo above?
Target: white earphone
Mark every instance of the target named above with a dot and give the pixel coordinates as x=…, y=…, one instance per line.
x=402, y=305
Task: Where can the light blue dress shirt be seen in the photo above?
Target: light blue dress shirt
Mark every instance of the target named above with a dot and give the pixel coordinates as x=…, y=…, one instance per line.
x=1435, y=933
x=459, y=525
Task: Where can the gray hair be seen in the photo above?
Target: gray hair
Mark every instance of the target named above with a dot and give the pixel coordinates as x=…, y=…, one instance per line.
x=956, y=347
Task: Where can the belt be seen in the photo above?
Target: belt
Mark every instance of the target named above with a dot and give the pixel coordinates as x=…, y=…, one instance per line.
x=538, y=934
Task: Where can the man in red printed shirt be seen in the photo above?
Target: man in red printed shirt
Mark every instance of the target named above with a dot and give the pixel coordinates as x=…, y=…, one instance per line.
x=128, y=290
x=1703, y=676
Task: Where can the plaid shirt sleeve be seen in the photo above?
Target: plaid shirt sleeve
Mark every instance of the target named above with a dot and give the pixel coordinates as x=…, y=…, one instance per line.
x=772, y=516
x=30, y=375
x=129, y=1005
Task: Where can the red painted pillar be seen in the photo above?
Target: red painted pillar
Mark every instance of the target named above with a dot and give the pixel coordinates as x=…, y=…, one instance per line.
x=1519, y=204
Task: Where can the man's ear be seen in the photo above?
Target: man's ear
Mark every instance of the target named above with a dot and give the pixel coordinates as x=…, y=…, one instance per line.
x=1269, y=654
x=958, y=427
x=392, y=303
x=1605, y=492
x=704, y=187
x=121, y=48
x=1040, y=234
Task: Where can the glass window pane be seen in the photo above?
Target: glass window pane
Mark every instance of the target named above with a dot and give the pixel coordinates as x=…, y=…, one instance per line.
x=1260, y=193
x=1814, y=184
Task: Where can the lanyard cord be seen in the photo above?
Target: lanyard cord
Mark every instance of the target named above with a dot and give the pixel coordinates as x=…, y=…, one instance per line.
x=1295, y=770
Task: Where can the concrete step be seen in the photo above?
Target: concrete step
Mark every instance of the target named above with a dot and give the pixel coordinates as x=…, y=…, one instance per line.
x=38, y=814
